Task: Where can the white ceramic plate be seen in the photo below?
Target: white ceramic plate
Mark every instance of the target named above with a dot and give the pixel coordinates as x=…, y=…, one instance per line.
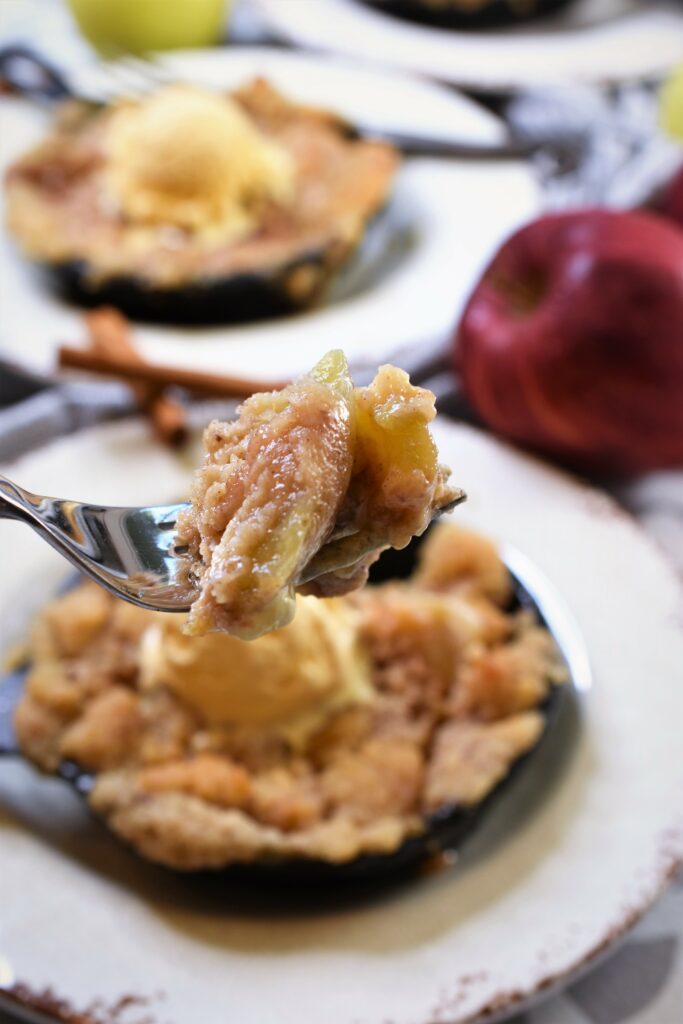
x=592, y=41
x=445, y=221
x=574, y=854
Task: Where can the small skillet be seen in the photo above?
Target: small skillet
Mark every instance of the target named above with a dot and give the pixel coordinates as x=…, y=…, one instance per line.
x=450, y=827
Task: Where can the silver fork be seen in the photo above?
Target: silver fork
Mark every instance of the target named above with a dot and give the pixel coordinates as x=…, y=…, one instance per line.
x=132, y=77
x=33, y=75
x=129, y=551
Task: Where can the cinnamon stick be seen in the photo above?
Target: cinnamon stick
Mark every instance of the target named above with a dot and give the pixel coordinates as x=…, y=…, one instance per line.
x=110, y=337
x=211, y=384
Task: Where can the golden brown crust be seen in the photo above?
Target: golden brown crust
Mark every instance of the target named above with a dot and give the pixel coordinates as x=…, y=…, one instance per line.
x=470, y=758
x=475, y=566
x=109, y=726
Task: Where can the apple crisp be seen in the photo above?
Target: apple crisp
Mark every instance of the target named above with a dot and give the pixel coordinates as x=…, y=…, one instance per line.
x=337, y=735
x=303, y=492
x=187, y=186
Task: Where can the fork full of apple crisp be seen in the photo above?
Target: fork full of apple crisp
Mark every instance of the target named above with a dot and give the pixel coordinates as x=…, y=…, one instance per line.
x=304, y=490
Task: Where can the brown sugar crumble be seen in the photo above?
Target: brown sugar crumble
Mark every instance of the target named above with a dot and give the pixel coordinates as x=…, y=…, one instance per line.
x=380, y=708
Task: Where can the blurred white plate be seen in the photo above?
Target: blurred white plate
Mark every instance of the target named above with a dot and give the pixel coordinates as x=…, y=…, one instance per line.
x=573, y=855
x=445, y=221
x=592, y=41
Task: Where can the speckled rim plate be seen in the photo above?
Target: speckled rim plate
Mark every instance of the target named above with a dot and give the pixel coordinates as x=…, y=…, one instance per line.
x=444, y=222
x=591, y=41
x=573, y=856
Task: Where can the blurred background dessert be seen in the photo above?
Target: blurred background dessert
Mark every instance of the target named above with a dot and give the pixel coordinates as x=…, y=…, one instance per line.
x=198, y=207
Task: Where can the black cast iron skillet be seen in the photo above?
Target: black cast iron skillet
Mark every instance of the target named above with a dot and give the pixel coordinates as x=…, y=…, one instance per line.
x=445, y=14
x=446, y=830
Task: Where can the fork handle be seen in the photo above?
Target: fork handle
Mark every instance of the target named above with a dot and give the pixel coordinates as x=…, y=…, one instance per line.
x=16, y=503
x=31, y=75
x=424, y=146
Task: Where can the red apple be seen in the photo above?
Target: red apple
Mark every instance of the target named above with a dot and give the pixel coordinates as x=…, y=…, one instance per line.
x=572, y=342
x=672, y=200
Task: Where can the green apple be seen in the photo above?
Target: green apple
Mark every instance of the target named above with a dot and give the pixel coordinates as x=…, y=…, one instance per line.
x=139, y=26
x=671, y=104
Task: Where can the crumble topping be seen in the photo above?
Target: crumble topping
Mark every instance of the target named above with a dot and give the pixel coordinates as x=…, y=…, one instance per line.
x=450, y=701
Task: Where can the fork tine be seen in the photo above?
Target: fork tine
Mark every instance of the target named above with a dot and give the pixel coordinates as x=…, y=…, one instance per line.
x=150, y=69
x=126, y=80
x=136, y=77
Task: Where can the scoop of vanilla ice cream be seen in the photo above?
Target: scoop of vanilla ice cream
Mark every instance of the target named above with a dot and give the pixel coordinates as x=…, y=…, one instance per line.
x=192, y=158
x=286, y=682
